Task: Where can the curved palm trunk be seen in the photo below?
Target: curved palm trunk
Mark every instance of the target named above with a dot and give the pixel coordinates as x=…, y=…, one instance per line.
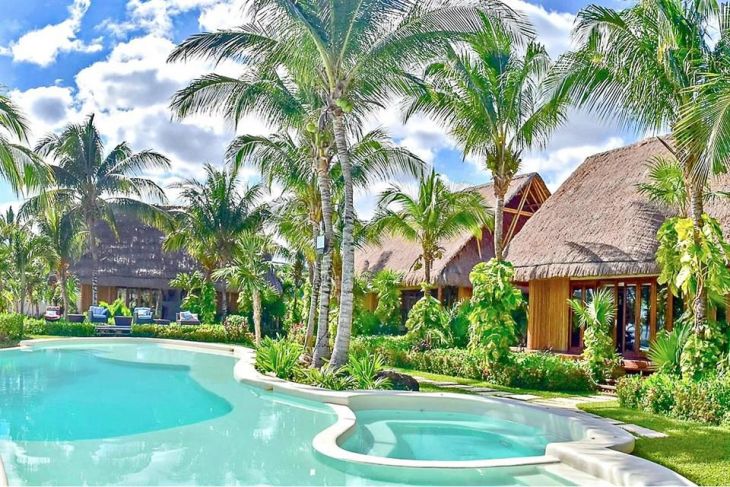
x=344, y=323
x=64, y=292
x=498, y=221
x=313, y=298
x=256, y=298
x=321, y=344
x=699, y=304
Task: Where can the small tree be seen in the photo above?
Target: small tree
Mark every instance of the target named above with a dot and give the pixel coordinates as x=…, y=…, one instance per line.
x=386, y=285
x=199, y=295
x=495, y=299
x=597, y=318
x=428, y=322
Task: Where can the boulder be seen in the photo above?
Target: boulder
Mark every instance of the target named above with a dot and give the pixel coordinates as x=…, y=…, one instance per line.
x=400, y=382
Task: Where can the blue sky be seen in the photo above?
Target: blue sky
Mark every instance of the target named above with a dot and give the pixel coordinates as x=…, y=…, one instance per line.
x=63, y=59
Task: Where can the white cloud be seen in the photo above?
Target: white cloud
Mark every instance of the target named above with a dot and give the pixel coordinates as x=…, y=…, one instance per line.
x=47, y=107
x=43, y=46
x=155, y=16
x=553, y=28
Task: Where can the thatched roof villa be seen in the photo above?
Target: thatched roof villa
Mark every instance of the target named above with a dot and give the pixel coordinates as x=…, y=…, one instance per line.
x=599, y=230
x=450, y=274
x=135, y=268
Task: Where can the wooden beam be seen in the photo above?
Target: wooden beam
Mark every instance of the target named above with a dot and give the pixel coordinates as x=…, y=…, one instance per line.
x=515, y=218
x=512, y=211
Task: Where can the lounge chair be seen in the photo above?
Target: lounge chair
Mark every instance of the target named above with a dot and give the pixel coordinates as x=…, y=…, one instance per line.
x=187, y=318
x=98, y=314
x=143, y=316
x=53, y=313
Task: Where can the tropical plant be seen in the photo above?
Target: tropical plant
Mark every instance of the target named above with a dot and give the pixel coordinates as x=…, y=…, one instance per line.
x=354, y=54
x=28, y=255
x=116, y=308
x=596, y=317
x=364, y=371
x=665, y=351
x=435, y=215
x=428, y=322
x=19, y=165
x=386, y=285
x=491, y=94
x=214, y=215
x=329, y=378
x=94, y=187
x=250, y=270
x=493, y=303
x=199, y=294
x=280, y=357
x=647, y=66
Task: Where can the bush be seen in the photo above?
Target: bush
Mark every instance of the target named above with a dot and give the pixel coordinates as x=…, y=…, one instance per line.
x=706, y=400
x=459, y=323
x=364, y=370
x=11, y=326
x=393, y=349
x=237, y=330
x=58, y=328
x=202, y=333
x=280, y=357
x=546, y=371
x=365, y=324
x=428, y=322
x=448, y=361
x=386, y=285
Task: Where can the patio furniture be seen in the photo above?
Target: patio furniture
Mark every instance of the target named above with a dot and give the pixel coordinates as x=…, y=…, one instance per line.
x=98, y=314
x=161, y=322
x=76, y=318
x=123, y=321
x=186, y=318
x=53, y=313
x=143, y=316
x=117, y=329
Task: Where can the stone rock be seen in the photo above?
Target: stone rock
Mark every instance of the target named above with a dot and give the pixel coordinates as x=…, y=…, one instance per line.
x=399, y=382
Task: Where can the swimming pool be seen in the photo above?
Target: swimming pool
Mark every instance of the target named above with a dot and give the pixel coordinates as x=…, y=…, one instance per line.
x=136, y=412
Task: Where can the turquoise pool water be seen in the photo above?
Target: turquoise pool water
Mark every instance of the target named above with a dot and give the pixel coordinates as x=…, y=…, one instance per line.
x=143, y=414
x=425, y=435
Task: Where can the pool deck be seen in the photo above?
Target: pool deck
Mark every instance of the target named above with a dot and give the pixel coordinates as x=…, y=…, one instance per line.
x=599, y=448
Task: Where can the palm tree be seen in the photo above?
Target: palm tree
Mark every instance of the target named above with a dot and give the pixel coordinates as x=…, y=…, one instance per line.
x=355, y=54
x=493, y=98
x=20, y=166
x=645, y=66
x=66, y=237
x=250, y=269
x=94, y=186
x=28, y=252
x=214, y=215
x=436, y=214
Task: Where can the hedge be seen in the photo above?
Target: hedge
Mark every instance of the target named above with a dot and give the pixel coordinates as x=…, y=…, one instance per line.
x=11, y=326
x=201, y=333
x=58, y=328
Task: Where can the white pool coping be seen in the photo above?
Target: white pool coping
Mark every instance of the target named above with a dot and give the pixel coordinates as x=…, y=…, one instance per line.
x=598, y=448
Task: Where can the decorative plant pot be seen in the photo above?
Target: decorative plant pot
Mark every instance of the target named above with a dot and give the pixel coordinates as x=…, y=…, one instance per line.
x=123, y=321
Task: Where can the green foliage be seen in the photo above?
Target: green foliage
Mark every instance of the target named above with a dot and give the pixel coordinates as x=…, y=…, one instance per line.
x=328, y=378
x=703, y=351
x=202, y=333
x=11, y=326
x=280, y=357
x=363, y=370
x=547, y=372
x=449, y=361
x=494, y=301
x=665, y=351
x=428, y=322
x=706, y=400
x=58, y=328
x=200, y=295
x=366, y=323
x=393, y=349
x=237, y=330
x=597, y=317
x=386, y=285
x=459, y=323
x=116, y=308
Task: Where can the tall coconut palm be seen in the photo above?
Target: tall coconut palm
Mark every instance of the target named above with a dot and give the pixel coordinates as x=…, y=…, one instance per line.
x=28, y=252
x=355, y=53
x=250, y=269
x=95, y=186
x=433, y=216
x=66, y=237
x=645, y=66
x=493, y=98
x=215, y=213
x=19, y=166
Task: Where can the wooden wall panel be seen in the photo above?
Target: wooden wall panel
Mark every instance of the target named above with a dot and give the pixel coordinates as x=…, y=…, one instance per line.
x=547, y=327
x=465, y=293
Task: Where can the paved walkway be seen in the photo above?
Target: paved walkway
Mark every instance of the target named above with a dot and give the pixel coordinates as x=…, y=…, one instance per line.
x=557, y=402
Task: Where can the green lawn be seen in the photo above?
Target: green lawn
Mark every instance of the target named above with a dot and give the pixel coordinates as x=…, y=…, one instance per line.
x=478, y=383
x=699, y=452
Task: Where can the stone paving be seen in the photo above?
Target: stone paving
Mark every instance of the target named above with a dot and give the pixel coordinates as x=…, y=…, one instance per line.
x=558, y=402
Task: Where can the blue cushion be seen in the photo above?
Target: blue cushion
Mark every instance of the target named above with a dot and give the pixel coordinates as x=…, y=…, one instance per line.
x=143, y=312
x=98, y=311
x=188, y=316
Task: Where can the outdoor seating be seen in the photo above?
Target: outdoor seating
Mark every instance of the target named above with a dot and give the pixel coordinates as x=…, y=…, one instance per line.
x=187, y=318
x=98, y=314
x=53, y=313
x=143, y=316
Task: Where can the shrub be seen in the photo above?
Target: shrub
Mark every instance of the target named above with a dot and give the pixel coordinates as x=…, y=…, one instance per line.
x=116, y=308
x=427, y=322
x=459, y=323
x=237, y=330
x=58, y=328
x=366, y=324
x=280, y=357
x=386, y=285
x=364, y=368
x=393, y=349
x=702, y=351
x=546, y=371
x=448, y=361
x=11, y=326
x=494, y=301
x=202, y=333
x=628, y=391
x=336, y=380
x=665, y=351
x=596, y=317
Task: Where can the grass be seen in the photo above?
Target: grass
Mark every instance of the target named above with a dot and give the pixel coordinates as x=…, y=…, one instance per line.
x=478, y=383
x=699, y=452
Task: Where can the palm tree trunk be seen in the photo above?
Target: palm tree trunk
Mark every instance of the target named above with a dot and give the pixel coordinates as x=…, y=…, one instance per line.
x=498, y=221
x=92, y=251
x=321, y=345
x=224, y=301
x=22, y=292
x=64, y=291
x=256, y=298
x=699, y=304
x=427, y=274
x=344, y=323
x=314, y=294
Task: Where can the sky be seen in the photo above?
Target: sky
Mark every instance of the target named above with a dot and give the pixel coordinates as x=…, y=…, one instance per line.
x=61, y=60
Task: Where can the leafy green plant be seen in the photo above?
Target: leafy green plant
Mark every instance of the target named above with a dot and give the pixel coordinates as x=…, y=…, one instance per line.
x=237, y=331
x=428, y=322
x=58, y=328
x=12, y=326
x=494, y=301
x=459, y=323
x=329, y=378
x=280, y=357
x=386, y=285
x=596, y=317
x=116, y=308
x=363, y=369
x=366, y=323
x=666, y=349
x=200, y=295
x=703, y=351
x=545, y=371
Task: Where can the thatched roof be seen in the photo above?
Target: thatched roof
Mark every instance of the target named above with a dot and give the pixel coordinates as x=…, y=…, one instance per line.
x=597, y=223
x=136, y=259
x=460, y=253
